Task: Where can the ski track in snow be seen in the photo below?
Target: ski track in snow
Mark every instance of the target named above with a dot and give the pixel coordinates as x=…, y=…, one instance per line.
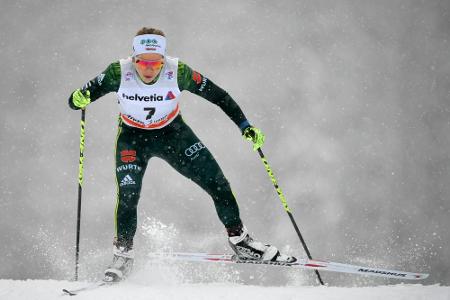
x=52, y=289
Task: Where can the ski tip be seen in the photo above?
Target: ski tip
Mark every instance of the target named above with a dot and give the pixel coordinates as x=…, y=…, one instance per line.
x=421, y=276
x=67, y=292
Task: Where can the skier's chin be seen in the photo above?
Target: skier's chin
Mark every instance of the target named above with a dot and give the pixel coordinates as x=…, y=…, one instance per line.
x=147, y=78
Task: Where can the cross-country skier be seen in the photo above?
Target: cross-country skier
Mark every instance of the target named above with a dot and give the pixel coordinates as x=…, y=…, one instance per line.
x=148, y=86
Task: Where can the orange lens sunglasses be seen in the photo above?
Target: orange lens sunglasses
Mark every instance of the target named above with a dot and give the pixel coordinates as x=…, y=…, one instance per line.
x=155, y=64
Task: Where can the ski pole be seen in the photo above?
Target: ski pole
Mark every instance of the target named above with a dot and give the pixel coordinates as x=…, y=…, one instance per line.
x=286, y=208
x=80, y=189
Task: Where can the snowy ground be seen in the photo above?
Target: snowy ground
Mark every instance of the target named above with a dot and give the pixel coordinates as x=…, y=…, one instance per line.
x=164, y=280
x=173, y=280
x=51, y=289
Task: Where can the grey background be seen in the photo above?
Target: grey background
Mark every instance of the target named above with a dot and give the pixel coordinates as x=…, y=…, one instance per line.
x=352, y=95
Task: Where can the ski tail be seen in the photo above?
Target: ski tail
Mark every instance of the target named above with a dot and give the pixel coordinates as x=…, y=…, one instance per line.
x=300, y=263
x=91, y=286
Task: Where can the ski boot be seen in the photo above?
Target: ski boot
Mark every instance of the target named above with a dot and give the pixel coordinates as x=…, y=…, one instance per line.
x=122, y=263
x=246, y=248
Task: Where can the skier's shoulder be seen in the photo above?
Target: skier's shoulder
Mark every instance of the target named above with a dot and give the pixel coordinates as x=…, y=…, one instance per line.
x=113, y=71
x=187, y=77
x=183, y=68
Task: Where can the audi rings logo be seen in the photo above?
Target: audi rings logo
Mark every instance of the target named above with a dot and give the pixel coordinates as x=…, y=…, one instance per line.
x=193, y=150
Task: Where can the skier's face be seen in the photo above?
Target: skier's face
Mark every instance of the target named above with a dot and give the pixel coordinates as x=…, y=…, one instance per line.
x=148, y=66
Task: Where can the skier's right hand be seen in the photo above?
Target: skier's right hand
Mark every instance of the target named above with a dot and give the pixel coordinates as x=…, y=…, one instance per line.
x=81, y=99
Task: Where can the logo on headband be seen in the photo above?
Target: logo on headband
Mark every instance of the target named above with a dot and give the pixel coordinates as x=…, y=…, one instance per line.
x=149, y=42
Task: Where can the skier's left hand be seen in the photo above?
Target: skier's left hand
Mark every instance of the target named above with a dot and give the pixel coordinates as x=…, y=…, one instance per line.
x=255, y=135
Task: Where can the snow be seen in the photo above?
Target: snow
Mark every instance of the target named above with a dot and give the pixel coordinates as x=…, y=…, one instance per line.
x=52, y=289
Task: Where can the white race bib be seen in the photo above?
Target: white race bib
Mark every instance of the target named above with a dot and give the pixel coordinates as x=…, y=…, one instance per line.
x=149, y=106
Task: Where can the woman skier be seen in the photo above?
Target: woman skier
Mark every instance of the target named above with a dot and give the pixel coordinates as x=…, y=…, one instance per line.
x=148, y=86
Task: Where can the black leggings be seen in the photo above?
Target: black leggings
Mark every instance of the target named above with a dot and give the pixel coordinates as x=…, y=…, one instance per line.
x=180, y=147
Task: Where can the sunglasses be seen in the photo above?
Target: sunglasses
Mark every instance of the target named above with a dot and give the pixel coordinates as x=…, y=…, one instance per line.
x=155, y=64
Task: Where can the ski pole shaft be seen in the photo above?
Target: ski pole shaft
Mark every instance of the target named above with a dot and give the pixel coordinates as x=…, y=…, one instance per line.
x=80, y=190
x=286, y=208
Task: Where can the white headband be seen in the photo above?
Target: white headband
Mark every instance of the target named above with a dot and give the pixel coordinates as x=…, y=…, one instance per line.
x=149, y=43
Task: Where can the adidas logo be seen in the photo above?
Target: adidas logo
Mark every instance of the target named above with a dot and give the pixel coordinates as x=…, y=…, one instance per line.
x=127, y=180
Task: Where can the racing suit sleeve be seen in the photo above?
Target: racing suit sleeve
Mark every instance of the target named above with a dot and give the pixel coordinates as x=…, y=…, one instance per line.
x=106, y=82
x=198, y=84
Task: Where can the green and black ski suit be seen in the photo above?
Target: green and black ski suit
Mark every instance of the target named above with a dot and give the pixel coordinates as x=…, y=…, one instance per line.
x=173, y=142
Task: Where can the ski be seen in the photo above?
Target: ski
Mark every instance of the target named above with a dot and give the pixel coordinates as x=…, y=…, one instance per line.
x=300, y=263
x=88, y=287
